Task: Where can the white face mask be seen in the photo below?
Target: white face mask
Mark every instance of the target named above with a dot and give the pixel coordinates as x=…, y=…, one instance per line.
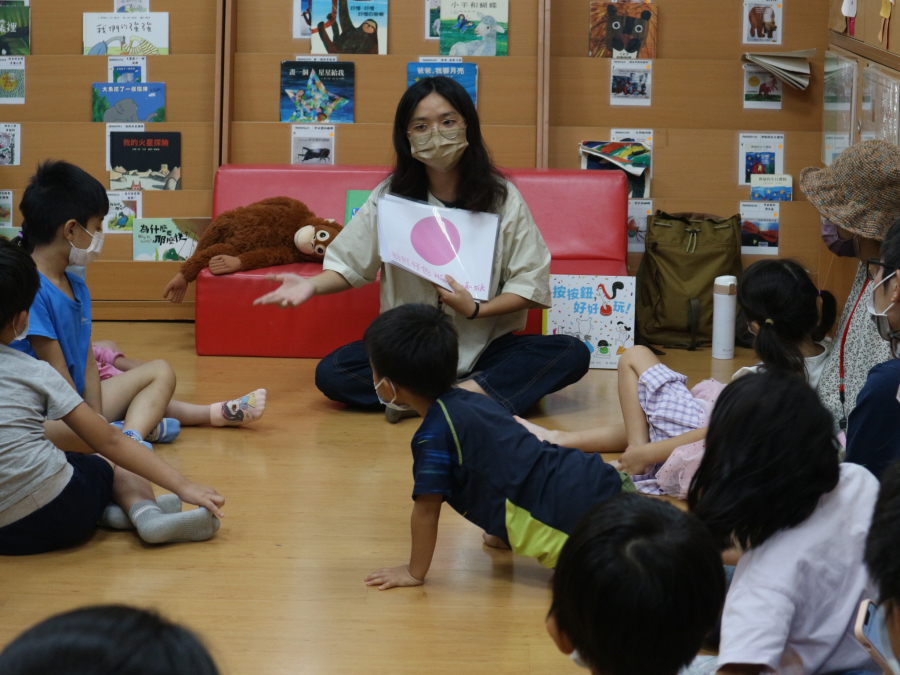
x=24, y=333
x=85, y=256
x=576, y=657
x=395, y=406
x=883, y=323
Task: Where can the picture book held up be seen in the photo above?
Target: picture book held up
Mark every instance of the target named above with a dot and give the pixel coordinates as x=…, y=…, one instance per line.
x=126, y=34
x=597, y=310
x=349, y=27
x=626, y=30
x=431, y=242
x=474, y=28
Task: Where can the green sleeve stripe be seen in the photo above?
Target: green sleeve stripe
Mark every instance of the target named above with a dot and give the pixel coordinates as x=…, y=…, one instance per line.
x=452, y=430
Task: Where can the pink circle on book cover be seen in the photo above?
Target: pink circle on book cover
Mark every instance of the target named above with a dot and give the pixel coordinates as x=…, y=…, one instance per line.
x=430, y=241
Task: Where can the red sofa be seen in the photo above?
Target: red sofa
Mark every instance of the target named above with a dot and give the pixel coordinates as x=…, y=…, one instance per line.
x=581, y=215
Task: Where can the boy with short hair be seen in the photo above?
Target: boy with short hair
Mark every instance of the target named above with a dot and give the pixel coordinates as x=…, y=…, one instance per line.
x=63, y=209
x=50, y=499
x=638, y=586
x=527, y=494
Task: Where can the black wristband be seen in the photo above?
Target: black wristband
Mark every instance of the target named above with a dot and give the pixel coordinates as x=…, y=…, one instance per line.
x=475, y=313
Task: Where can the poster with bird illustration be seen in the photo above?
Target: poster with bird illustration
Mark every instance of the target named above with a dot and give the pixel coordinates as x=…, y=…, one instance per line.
x=349, y=27
x=597, y=310
x=126, y=34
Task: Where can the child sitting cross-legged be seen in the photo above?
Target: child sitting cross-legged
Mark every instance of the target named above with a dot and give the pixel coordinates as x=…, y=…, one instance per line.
x=63, y=207
x=526, y=494
x=771, y=484
x=665, y=422
x=50, y=499
x=638, y=586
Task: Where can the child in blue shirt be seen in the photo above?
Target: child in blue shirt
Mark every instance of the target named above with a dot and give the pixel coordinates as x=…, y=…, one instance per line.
x=526, y=494
x=63, y=208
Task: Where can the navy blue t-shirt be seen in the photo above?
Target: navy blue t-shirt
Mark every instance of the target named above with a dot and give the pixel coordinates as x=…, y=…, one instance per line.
x=498, y=475
x=873, y=438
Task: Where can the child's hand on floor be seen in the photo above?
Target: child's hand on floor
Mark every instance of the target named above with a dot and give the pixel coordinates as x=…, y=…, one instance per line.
x=390, y=577
x=202, y=495
x=634, y=461
x=551, y=436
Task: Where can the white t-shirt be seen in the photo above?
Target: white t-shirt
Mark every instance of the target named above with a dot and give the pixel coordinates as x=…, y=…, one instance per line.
x=793, y=601
x=30, y=390
x=814, y=365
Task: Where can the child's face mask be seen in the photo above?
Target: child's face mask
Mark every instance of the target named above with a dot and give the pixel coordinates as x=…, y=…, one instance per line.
x=883, y=323
x=576, y=657
x=85, y=256
x=24, y=333
x=396, y=406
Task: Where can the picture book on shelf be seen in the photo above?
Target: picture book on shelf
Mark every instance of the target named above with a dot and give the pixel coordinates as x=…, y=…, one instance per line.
x=762, y=90
x=127, y=69
x=124, y=207
x=12, y=79
x=623, y=30
x=355, y=201
x=771, y=188
x=130, y=6
x=6, y=208
x=10, y=144
x=631, y=82
x=302, y=19
x=762, y=21
x=128, y=103
x=474, y=28
x=349, y=27
x=315, y=92
x=15, y=30
x=144, y=34
x=634, y=159
x=145, y=161
x=639, y=211
x=312, y=144
x=597, y=310
x=167, y=239
x=464, y=73
x=432, y=19
x=759, y=154
x=759, y=228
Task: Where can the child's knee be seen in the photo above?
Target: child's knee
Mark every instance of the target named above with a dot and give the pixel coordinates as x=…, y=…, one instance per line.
x=637, y=359
x=162, y=373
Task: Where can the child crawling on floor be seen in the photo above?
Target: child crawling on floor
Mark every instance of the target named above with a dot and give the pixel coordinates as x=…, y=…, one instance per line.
x=526, y=494
x=50, y=499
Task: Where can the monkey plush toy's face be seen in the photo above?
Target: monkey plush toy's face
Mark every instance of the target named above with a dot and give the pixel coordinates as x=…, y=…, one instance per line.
x=314, y=239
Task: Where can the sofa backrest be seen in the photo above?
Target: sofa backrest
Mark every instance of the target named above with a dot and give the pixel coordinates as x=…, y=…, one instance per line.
x=581, y=214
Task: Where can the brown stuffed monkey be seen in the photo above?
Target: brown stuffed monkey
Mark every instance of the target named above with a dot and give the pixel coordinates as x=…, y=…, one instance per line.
x=276, y=231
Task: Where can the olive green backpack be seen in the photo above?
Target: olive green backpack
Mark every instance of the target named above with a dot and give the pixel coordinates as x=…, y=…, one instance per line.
x=684, y=254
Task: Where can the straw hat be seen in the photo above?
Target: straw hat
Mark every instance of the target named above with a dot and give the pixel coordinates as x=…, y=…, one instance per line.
x=860, y=192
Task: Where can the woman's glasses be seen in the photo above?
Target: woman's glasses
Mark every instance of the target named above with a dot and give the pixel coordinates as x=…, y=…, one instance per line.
x=872, y=267
x=450, y=128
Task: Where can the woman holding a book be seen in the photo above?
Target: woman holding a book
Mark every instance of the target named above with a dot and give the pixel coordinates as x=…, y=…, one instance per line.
x=442, y=160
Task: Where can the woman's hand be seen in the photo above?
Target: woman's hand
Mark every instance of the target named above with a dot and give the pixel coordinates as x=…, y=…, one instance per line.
x=294, y=290
x=459, y=299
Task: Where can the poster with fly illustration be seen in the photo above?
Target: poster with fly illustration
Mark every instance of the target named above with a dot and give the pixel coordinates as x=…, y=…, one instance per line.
x=597, y=310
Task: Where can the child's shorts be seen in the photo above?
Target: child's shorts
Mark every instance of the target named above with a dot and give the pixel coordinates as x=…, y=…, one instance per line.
x=69, y=518
x=105, y=360
x=670, y=408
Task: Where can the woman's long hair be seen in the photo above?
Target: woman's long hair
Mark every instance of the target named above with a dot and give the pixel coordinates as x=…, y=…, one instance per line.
x=481, y=186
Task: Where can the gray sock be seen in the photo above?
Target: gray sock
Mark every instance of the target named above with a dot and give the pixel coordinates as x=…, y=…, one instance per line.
x=156, y=527
x=115, y=518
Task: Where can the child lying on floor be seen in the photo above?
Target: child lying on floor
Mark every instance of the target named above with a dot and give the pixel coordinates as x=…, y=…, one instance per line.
x=665, y=423
x=50, y=499
x=63, y=208
x=526, y=494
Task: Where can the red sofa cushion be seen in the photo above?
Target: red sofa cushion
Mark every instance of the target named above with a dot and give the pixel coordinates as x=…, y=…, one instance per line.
x=581, y=215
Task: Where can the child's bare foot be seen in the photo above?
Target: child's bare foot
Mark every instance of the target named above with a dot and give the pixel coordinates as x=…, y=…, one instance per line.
x=224, y=264
x=494, y=542
x=242, y=410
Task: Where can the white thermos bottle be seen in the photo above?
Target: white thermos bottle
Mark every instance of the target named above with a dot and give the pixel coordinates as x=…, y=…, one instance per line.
x=724, y=314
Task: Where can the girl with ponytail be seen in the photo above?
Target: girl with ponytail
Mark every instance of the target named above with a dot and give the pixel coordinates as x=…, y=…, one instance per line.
x=663, y=437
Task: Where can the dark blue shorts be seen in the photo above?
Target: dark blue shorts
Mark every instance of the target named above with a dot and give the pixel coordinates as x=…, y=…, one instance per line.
x=69, y=518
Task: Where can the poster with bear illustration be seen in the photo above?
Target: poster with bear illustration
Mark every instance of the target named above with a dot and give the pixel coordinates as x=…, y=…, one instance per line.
x=763, y=22
x=623, y=30
x=597, y=310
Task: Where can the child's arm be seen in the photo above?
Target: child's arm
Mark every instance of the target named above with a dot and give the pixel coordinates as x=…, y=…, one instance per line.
x=637, y=458
x=48, y=349
x=91, y=393
x=122, y=451
x=424, y=526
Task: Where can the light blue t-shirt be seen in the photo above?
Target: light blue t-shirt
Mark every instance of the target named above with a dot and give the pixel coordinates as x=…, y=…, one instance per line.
x=56, y=316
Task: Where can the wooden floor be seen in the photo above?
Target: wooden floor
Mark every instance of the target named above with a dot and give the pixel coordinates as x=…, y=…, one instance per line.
x=317, y=497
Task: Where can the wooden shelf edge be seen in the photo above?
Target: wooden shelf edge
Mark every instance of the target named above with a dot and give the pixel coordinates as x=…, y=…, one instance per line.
x=113, y=310
x=864, y=50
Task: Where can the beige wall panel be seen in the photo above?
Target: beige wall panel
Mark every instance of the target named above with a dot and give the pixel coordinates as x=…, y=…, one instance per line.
x=696, y=29
x=132, y=281
x=687, y=94
x=692, y=162
x=269, y=143
x=84, y=143
x=58, y=88
x=57, y=26
x=507, y=88
x=264, y=26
